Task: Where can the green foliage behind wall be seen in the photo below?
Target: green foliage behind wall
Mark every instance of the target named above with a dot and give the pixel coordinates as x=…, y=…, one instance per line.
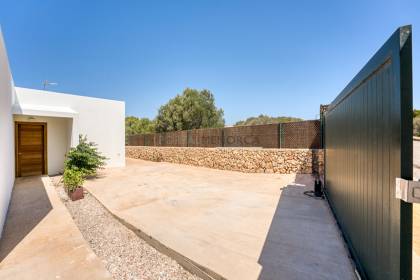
x=264, y=119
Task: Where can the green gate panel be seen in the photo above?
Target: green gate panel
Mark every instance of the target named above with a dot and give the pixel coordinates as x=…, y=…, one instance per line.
x=368, y=143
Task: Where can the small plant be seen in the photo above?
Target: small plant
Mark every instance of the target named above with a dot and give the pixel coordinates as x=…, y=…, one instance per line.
x=72, y=179
x=416, y=126
x=85, y=157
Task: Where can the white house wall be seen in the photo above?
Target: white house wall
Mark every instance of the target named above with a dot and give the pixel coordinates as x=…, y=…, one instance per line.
x=102, y=120
x=7, y=165
x=66, y=115
x=58, y=139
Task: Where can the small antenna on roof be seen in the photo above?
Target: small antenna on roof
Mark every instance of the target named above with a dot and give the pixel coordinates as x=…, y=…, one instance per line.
x=47, y=83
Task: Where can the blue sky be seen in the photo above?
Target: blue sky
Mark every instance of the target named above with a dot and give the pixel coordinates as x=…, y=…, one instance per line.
x=271, y=57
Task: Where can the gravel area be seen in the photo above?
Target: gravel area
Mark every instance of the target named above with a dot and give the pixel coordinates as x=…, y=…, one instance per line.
x=125, y=255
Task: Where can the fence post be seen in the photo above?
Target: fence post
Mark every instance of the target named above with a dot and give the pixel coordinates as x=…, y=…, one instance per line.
x=188, y=137
x=280, y=135
x=322, y=110
x=223, y=137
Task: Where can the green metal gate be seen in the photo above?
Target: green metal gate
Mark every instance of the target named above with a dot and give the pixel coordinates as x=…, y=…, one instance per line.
x=368, y=144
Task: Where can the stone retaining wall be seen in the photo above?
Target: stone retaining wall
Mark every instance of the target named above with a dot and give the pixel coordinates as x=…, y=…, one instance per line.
x=252, y=160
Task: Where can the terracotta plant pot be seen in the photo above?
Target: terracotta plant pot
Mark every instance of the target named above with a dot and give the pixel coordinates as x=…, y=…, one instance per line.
x=76, y=194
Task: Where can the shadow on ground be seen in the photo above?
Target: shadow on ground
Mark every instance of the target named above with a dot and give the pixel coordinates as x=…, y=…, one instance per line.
x=28, y=206
x=303, y=238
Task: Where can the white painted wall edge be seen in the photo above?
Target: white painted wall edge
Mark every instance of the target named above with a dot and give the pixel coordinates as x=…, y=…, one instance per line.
x=7, y=144
x=40, y=110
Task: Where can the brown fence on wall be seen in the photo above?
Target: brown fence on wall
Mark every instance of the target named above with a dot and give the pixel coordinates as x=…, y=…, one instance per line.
x=294, y=135
x=301, y=134
x=210, y=137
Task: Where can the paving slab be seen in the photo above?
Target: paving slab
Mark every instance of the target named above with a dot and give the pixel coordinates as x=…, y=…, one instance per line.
x=416, y=242
x=41, y=240
x=226, y=224
x=416, y=214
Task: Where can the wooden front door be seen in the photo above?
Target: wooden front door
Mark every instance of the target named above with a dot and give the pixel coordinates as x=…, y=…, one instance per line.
x=31, y=149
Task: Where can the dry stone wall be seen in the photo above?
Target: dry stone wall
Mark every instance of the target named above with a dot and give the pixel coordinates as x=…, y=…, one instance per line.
x=252, y=160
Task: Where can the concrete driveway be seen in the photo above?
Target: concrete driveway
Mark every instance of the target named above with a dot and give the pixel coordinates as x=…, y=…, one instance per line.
x=224, y=224
x=40, y=239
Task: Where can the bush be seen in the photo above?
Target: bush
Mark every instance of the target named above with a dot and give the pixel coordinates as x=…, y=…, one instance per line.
x=73, y=178
x=85, y=157
x=416, y=126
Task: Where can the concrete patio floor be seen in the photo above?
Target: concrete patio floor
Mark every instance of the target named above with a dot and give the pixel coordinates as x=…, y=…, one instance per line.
x=226, y=224
x=40, y=239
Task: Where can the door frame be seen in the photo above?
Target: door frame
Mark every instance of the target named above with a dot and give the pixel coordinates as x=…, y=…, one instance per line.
x=45, y=144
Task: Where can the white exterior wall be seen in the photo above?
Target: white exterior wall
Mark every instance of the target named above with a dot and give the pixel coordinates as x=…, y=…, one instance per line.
x=66, y=115
x=7, y=163
x=102, y=120
x=58, y=139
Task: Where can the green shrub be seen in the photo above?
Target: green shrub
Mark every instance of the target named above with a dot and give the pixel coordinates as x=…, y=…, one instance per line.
x=416, y=126
x=73, y=178
x=85, y=157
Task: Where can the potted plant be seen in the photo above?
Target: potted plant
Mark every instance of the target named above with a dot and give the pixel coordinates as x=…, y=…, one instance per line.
x=81, y=162
x=73, y=182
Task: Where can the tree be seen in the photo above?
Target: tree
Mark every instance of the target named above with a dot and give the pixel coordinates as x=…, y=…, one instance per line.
x=416, y=113
x=264, y=119
x=192, y=109
x=134, y=125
